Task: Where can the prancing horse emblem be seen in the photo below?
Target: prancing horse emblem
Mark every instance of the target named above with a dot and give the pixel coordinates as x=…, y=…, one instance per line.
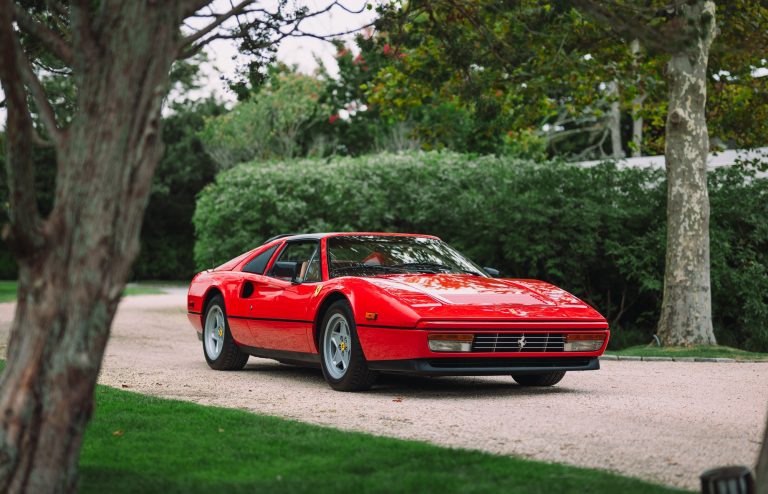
x=521, y=342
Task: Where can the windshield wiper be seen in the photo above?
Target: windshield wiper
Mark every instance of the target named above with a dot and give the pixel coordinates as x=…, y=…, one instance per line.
x=434, y=267
x=371, y=267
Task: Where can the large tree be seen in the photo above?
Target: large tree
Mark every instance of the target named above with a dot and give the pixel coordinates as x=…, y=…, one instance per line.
x=74, y=261
x=684, y=30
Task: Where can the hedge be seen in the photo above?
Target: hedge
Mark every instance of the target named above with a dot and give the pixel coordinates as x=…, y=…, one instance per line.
x=598, y=232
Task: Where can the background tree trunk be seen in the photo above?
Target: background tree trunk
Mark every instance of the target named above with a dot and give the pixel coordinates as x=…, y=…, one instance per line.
x=686, y=313
x=70, y=286
x=637, y=102
x=637, y=127
x=614, y=120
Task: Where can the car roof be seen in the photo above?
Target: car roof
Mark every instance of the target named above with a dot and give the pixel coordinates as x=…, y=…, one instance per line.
x=318, y=236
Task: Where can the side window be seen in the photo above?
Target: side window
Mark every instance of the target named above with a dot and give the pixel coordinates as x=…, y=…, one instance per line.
x=305, y=255
x=259, y=263
x=313, y=268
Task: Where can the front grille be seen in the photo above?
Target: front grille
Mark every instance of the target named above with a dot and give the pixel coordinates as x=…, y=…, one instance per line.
x=518, y=342
x=517, y=362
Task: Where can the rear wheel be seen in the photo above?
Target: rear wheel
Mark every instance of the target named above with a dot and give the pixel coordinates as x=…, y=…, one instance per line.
x=546, y=379
x=343, y=363
x=220, y=350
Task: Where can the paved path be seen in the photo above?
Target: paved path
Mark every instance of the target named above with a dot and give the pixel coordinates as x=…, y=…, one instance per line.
x=662, y=421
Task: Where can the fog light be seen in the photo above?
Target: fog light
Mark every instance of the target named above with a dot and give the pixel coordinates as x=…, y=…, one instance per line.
x=450, y=342
x=583, y=342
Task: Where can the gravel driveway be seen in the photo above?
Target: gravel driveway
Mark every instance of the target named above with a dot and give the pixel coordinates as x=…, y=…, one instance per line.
x=661, y=421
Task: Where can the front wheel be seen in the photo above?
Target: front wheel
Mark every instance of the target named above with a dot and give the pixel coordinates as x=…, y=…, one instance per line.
x=343, y=363
x=546, y=379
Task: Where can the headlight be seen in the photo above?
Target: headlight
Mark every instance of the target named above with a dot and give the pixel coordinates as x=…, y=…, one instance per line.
x=583, y=342
x=450, y=342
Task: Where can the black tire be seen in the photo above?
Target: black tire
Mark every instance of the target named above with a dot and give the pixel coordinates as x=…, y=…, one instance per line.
x=357, y=376
x=546, y=379
x=230, y=357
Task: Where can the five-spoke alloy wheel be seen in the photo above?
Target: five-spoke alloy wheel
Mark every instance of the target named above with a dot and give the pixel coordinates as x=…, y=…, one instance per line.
x=343, y=362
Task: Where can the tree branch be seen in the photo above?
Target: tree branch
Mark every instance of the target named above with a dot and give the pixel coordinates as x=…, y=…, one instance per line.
x=24, y=235
x=46, y=35
x=218, y=21
x=44, y=108
x=630, y=26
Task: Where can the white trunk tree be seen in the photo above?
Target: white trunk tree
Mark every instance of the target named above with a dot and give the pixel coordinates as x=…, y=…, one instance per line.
x=685, y=34
x=686, y=309
x=614, y=120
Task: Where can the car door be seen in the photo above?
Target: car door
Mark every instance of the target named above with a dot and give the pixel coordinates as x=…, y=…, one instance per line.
x=280, y=317
x=242, y=296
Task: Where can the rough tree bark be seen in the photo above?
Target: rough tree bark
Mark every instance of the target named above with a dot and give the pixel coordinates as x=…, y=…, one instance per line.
x=73, y=265
x=686, y=312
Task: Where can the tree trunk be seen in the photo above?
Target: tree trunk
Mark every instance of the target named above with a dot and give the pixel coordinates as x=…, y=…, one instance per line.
x=69, y=288
x=637, y=103
x=614, y=121
x=761, y=470
x=686, y=312
x=637, y=127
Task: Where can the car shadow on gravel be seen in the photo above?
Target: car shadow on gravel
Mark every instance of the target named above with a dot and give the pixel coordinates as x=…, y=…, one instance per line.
x=419, y=386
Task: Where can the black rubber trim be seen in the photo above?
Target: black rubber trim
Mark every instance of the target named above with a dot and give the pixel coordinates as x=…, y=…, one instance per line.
x=194, y=313
x=300, y=358
x=482, y=366
x=269, y=319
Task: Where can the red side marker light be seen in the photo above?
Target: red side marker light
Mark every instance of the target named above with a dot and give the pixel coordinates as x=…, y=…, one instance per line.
x=371, y=316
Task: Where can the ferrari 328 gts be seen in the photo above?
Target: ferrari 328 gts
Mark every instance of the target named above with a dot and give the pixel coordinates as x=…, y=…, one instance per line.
x=361, y=304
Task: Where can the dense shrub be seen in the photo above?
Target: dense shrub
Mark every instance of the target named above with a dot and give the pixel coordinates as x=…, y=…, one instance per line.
x=598, y=232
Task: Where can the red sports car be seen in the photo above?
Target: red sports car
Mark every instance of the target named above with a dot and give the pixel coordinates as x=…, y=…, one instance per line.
x=358, y=304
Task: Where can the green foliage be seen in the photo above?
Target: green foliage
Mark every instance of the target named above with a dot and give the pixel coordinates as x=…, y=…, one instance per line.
x=598, y=232
x=272, y=124
x=167, y=235
x=545, y=67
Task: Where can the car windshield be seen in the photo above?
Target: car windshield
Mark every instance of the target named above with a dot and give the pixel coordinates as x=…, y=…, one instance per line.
x=381, y=255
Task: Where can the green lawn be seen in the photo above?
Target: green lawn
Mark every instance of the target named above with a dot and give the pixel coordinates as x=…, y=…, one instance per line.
x=141, y=289
x=137, y=443
x=695, y=351
x=8, y=289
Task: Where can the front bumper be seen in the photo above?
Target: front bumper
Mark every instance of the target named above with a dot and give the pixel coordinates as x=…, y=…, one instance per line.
x=484, y=366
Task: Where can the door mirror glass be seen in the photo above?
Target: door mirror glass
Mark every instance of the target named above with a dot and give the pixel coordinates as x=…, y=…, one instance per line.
x=493, y=272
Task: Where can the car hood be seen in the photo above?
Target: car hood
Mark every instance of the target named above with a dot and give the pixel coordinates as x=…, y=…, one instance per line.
x=438, y=294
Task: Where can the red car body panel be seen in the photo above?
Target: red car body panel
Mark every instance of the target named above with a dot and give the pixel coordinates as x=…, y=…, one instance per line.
x=394, y=314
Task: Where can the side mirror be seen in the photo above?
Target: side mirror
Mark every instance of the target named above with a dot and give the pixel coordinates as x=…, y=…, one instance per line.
x=286, y=269
x=492, y=271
